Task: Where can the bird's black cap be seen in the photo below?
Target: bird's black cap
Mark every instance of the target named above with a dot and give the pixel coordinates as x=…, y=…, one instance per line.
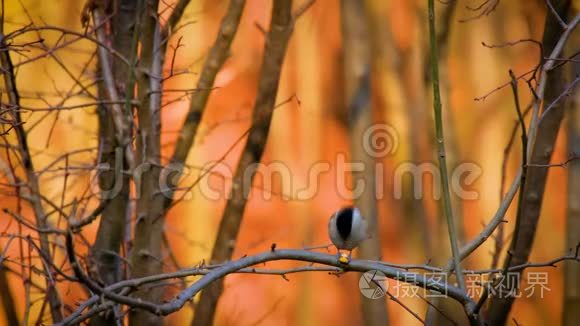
x=344, y=219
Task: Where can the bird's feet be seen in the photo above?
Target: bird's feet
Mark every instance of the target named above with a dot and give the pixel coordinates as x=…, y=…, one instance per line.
x=343, y=258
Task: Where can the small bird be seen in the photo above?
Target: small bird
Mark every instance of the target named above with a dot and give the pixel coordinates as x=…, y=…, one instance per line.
x=347, y=229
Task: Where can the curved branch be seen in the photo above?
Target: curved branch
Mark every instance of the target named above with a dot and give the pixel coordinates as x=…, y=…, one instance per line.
x=434, y=284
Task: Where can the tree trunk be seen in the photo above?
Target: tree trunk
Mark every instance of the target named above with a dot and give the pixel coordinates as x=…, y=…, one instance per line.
x=540, y=154
x=357, y=85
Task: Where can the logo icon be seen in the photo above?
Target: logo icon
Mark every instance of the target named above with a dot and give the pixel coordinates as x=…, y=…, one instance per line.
x=373, y=284
x=380, y=140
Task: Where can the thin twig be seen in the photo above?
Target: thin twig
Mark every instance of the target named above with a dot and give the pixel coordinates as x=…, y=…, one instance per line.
x=441, y=146
x=175, y=17
x=556, y=15
x=32, y=178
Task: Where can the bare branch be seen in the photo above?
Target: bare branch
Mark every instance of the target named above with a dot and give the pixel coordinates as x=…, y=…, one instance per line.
x=175, y=17
x=452, y=231
x=281, y=26
x=33, y=182
x=242, y=264
x=556, y=14
x=218, y=54
x=121, y=125
x=539, y=150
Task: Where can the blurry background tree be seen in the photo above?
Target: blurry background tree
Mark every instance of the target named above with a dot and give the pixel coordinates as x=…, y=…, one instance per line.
x=133, y=131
